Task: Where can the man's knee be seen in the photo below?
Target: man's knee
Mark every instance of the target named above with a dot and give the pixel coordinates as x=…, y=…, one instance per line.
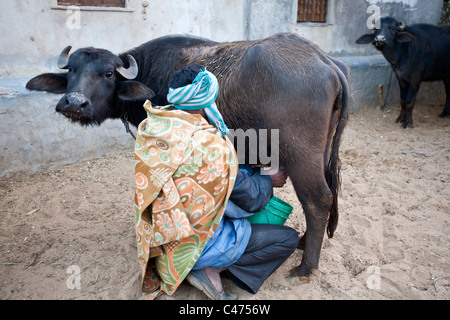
x=292, y=238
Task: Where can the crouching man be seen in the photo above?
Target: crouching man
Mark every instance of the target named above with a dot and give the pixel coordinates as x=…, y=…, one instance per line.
x=192, y=199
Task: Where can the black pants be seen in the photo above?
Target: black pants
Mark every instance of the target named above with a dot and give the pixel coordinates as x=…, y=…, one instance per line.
x=269, y=246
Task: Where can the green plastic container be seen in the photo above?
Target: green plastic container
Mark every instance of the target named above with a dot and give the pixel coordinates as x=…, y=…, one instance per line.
x=276, y=212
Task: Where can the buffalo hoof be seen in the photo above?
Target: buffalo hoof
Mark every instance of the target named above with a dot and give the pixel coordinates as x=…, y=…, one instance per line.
x=400, y=118
x=444, y=115
x=405, y=123
x=303, y=275
x=405, y=119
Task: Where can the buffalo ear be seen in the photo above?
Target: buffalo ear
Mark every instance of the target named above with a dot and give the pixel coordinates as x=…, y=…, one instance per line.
x=50, y=82
x=404, y=37
x=365, y=39
x=134, y=90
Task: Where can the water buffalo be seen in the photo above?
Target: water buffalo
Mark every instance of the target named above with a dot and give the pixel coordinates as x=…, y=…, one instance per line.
x=417, y=53
x=282, y=82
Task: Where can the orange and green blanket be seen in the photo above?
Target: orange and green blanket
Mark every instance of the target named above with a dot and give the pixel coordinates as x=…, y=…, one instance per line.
x=185, y=171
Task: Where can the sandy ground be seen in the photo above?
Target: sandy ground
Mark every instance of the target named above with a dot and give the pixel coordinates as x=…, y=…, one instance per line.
x=392, y=242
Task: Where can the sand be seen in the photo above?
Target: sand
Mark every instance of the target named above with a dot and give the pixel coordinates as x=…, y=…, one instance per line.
x=69, y=233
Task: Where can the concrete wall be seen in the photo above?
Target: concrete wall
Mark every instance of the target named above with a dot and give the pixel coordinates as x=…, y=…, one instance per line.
x=33, y=32
x=368, y=72
x=346, y=23
x=346, y=20
x=34, y=137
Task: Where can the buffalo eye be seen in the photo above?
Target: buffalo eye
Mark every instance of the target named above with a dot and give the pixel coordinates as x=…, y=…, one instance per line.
x=69, y=68
x=109, y=74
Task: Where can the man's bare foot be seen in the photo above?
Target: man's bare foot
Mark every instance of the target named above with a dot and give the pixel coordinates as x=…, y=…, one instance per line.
x=213, y=275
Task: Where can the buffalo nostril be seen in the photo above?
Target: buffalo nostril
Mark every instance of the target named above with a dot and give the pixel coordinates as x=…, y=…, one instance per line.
x=84, y=104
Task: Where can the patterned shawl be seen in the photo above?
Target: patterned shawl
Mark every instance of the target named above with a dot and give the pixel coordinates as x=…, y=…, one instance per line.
x=185, y=171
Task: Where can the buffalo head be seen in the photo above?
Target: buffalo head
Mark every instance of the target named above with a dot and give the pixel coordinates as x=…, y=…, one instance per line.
x=96, y=84
x=391, y=32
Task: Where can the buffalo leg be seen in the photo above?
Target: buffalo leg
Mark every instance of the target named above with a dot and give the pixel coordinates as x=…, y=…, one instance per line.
x=446, y=111
x=408, y=94
x=313, y=192
x=403, y=92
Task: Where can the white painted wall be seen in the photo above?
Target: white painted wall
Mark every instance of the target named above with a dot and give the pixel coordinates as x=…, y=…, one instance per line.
x=346, y=20
x=33, y=32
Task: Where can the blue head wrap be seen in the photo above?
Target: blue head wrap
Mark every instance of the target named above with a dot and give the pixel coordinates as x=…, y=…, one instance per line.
x=201, y=94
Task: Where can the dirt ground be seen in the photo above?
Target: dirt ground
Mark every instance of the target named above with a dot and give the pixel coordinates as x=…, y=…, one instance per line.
x=69, y=233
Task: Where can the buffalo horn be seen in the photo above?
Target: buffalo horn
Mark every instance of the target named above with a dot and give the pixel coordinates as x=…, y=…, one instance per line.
x=132, y=70
x=63, y=59
x=401, y=25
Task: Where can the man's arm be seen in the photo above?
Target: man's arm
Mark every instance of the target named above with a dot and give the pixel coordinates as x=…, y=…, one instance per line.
x=251, y=192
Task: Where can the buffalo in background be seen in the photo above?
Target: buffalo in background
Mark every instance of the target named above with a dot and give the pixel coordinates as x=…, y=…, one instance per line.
x=283, y=83
x=420, y=52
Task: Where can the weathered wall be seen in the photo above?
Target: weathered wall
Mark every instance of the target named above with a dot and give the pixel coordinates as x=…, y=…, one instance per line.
x=33, y=136
x=370, y=71
x=33, y=32
x=346, y=20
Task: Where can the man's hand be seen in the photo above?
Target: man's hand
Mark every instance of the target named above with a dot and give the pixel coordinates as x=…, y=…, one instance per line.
x=279, y=178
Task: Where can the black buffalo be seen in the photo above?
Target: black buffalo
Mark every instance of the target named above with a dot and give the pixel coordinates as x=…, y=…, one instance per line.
x=420, y=52
x=282, y=82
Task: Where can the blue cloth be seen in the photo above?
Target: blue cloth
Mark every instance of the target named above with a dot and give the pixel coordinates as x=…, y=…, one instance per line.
x=251, y=193
x=201, y=94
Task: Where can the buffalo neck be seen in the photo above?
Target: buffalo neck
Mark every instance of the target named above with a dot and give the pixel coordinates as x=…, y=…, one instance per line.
x=133, y=112
x=392, y=54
